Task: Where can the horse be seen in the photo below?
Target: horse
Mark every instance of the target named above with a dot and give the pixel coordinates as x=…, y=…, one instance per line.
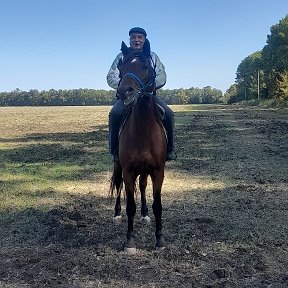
x=142, y=142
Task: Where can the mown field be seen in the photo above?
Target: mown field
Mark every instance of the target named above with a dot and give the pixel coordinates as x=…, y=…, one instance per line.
x=225, y=202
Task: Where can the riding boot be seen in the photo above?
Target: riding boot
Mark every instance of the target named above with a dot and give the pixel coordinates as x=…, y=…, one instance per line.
x=168, y=123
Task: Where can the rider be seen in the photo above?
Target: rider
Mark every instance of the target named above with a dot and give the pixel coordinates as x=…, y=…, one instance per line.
x=137, y=38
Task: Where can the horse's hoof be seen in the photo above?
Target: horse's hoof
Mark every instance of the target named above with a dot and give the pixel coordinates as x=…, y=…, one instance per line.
x=160, y=244
x=130, y=250
x=130, y=247
x=117, y=219
x=146, y=219
x=160, y=248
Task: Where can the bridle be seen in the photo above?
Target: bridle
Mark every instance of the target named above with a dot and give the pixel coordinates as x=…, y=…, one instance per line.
x=143, y=89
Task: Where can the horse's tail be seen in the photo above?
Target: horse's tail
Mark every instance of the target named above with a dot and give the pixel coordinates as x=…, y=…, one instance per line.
x=116, y=179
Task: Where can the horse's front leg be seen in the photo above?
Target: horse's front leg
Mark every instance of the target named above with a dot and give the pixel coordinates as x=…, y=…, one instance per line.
x=144, y=209
x=130, y=246
x=157, y=180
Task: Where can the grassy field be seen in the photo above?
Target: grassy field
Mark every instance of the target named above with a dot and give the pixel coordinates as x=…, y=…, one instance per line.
x=225, y=201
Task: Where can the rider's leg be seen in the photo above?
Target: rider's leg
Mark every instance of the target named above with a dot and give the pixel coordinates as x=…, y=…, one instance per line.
x=115, y=118
x=168, y=123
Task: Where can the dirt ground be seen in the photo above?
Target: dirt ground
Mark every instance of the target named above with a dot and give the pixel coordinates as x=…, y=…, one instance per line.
x=225, y=211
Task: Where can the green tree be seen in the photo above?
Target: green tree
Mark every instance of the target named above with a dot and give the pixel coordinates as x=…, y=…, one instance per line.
x=231, y=95
x=247, y=76
x=275, y=58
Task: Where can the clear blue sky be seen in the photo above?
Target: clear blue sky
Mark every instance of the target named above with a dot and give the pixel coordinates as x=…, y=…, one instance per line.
x=67, y=44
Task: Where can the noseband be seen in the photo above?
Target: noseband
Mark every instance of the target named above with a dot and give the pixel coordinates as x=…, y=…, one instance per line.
x=142, y=88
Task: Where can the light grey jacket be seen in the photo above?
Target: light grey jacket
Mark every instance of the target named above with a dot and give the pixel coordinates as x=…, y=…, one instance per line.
x=113, y=74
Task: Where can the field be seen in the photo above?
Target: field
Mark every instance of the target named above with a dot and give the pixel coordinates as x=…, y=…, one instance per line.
x=225, y=202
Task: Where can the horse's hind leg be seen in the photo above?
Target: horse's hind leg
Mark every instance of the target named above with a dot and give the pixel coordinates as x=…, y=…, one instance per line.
x=157, y=180
x=117, y=214
x=144, y=208
x=118, y=182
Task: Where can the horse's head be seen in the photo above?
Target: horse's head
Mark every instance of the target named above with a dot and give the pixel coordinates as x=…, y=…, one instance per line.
x=137, y=74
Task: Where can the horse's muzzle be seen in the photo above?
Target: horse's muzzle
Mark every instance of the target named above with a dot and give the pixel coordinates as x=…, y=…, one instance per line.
x=130, y=101
x=128, y=95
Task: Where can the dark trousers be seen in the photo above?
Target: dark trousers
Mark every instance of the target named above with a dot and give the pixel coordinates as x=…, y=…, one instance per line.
x=117, y=114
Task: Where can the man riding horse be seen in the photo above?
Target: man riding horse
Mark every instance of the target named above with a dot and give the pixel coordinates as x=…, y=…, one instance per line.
x=137, y=39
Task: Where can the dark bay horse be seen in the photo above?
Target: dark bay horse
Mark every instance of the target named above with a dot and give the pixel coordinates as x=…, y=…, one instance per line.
x=142, y=142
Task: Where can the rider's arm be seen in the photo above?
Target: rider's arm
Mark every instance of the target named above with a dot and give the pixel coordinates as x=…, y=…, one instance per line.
x=159, y=70
x=114, y=73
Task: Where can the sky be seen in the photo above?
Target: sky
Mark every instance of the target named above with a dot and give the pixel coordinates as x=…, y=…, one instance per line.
x=71, y=44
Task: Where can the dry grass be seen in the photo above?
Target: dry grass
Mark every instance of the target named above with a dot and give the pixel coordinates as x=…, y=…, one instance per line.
x=225, y=202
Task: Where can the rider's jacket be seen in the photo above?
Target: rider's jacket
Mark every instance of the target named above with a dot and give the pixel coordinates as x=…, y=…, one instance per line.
x=114, y=73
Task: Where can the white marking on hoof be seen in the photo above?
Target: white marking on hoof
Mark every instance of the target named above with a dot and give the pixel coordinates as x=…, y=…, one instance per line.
x=130, y=251
x=117, y=219
x=159, y=249
x=145, y=219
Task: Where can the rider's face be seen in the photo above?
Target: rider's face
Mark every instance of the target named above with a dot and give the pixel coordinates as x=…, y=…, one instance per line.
x=137, y=41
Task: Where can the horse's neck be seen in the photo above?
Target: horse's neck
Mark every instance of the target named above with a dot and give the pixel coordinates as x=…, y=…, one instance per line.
x=144, y=113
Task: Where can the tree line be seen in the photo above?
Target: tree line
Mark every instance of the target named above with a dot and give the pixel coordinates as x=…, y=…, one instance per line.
x=92, y=97
x=264, y=74
x=261, y=75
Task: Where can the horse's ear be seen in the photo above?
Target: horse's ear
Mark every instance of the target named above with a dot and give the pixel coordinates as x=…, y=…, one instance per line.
x=124, y=49
x=146, y=47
